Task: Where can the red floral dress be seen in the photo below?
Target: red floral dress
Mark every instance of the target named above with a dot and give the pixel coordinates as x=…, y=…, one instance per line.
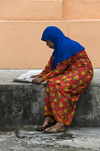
x=65, y=84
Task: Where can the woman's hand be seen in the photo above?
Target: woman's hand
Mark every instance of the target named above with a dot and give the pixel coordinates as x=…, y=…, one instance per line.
x=33, y=76
x=37, y=80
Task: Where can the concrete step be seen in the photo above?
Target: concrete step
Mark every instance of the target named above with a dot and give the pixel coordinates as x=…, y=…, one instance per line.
x=21, y=46
x=31, y=10
x=23, y=103
x=81, y=9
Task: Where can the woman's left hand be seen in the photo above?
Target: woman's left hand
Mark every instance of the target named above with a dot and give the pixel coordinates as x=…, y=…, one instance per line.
x=37, y=80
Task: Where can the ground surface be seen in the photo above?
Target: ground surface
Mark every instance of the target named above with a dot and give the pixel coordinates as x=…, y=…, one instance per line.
x=74, y=139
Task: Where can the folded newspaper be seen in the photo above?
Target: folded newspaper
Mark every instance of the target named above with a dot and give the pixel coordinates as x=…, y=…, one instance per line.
x=26, y=77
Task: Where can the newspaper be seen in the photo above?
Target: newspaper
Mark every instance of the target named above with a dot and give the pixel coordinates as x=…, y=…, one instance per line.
x=26, y=77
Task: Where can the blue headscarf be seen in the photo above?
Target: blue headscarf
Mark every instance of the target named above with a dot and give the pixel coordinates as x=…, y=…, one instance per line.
x=64, y=47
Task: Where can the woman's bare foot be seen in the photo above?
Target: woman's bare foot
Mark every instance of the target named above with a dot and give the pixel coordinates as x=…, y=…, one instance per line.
x=48, y=120
x=58, y=127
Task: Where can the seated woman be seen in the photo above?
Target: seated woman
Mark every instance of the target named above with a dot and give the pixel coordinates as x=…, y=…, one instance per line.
x=68, y=73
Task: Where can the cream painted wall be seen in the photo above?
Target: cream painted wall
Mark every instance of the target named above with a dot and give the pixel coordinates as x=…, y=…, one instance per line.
x=23, y=21
x=81, y=9
x=21, y=46
x=88, y=34
x=30, y=10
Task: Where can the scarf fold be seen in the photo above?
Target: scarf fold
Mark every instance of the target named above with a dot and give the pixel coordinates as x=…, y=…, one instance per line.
x=64, y=47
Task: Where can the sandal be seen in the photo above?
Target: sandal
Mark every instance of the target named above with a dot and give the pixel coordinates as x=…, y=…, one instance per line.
x=40, y=128
x=53, y=130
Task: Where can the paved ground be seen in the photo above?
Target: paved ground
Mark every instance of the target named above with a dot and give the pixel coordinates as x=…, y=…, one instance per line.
x=74, y=139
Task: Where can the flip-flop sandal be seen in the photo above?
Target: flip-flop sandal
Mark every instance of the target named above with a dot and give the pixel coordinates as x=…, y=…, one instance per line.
x=40, y=128
x=53, y=130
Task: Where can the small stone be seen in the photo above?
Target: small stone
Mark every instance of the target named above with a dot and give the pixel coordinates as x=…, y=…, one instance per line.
x=11, y=149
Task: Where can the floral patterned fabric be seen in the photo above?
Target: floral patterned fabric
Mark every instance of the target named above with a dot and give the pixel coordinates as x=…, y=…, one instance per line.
x=65, y=84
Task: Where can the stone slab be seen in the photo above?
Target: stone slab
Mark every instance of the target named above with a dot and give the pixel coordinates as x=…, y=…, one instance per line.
x=31, y=10
x=23, y=103
x=7, y=76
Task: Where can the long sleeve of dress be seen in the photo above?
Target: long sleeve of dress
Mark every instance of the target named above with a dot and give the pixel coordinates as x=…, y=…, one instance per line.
x=60, y=69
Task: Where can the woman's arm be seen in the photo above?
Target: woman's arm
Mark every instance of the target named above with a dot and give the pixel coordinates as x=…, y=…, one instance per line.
x=60, y=69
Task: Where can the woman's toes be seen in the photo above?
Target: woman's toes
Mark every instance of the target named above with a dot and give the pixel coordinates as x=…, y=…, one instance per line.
x=48, y=120
x=44, y=124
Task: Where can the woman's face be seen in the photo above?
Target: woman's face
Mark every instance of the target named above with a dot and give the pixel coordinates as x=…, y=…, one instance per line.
x=49, y=44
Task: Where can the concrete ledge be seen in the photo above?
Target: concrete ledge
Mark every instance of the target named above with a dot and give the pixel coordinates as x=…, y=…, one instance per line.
x=20, y=103
x=23, y=103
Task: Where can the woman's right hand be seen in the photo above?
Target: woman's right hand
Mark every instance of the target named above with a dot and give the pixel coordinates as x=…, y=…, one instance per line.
x=34, y=76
